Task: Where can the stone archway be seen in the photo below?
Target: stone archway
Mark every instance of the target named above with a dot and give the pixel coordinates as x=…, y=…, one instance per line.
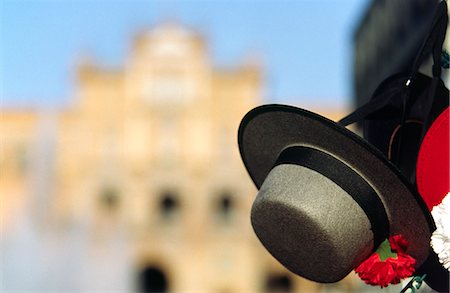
x=278, y=283
x=152, y=279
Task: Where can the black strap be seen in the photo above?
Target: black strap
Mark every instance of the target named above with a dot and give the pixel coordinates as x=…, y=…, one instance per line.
x=370, y=107
x=432, y=44
x=350, y=181
x=434, y=41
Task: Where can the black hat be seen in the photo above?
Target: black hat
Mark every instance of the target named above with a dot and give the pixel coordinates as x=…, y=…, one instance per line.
x=326, y=198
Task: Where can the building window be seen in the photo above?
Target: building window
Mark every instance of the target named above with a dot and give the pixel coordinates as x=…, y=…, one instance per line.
x=224, y=206
x=168, y=88
x=109, y=198
x=169, y=205
x=279, y=283
x=152, y=279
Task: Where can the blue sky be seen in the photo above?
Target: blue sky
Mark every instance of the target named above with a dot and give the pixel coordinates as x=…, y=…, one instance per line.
x=305, y=45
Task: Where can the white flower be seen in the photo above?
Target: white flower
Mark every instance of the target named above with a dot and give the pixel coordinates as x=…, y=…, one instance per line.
x=440, y=239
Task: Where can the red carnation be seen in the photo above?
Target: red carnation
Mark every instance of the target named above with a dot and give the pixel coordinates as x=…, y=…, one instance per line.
x=404, y=265
x=398, y=243
x=389, y=264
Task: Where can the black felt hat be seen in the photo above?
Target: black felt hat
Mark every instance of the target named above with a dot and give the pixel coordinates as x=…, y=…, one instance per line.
x=326, y=198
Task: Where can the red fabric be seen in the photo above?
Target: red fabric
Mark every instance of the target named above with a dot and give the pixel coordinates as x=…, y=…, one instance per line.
x=432, y=172
x=374, y=271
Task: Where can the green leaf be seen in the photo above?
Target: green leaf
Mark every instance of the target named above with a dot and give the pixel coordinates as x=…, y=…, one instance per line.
x=384, y=251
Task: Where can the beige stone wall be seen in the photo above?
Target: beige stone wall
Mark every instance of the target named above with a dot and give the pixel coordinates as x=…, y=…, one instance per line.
x=165, y=123
x=17, y=138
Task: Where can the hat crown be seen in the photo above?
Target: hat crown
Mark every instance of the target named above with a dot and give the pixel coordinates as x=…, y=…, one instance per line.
x=304, y=218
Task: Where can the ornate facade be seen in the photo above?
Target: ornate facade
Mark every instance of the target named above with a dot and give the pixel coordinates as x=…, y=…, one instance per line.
x=144, y=168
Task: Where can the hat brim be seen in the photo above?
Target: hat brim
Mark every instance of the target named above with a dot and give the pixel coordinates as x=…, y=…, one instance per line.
x=269, y=129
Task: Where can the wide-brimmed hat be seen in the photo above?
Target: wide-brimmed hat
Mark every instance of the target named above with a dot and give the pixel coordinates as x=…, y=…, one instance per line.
x=327, y=198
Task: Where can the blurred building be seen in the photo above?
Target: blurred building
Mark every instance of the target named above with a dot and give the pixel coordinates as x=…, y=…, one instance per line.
x=387, y=40
x=138, y=186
